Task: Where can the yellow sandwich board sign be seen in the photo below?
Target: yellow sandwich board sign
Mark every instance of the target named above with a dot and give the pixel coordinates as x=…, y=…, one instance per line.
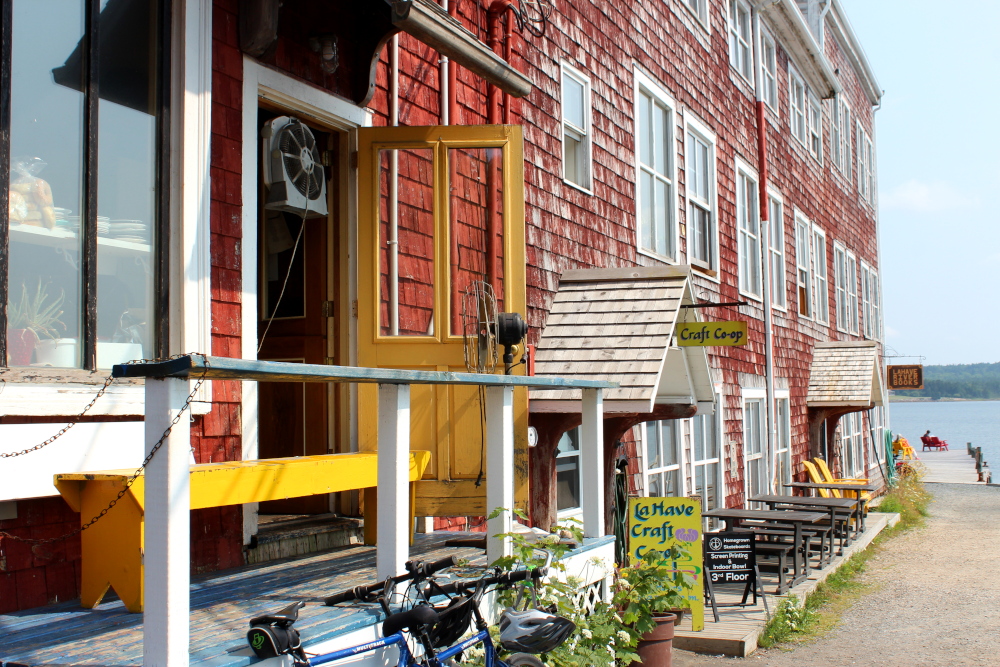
x=672, y=527
x=702, y=334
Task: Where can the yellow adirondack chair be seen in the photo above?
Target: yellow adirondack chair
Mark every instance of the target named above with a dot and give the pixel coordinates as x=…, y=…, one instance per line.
x=901, y=447
x=816, y=478
x=827, y=476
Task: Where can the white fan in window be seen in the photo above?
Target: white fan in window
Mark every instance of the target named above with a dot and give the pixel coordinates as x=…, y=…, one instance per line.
x=293, y=168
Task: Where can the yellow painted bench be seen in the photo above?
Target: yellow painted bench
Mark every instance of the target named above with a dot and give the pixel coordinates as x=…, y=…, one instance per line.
x=112, y=547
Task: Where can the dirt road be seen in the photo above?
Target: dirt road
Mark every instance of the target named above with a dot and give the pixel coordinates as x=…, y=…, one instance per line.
x=935, y=601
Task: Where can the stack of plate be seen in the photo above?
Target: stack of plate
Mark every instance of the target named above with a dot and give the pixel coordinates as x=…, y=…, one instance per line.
x=129, y=230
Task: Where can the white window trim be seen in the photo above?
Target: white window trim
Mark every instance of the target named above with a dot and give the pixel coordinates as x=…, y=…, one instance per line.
x=852, y=296
x=816, y=276
x=743, y=167
x=793, y=111
x=573, y=512
x=814, y=108
x=678, y=452
x=845, y=264
x=704, y=21
x=565, y=69
x=776, y=196
x=840, y=122
x=784, y=395
x=644, y=82
x=870, y=327
x=693, y=125
x=768, y=40
x=719, y=459
x=866, y=168
x=756, y=395
x=732, y=27
x=802, y=222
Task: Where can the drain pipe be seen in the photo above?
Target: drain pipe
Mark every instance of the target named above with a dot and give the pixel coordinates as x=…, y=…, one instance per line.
x=444, y=68
x=493, y=116
x=393, y=240
x=763, y=208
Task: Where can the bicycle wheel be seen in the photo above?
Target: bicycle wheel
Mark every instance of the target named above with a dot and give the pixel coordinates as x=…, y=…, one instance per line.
x=522, y=660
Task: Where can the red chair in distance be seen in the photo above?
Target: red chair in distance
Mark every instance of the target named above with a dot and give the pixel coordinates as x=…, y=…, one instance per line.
x=932, y=442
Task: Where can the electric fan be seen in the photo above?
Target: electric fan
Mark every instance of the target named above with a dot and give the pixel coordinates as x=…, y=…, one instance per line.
x=293, y=168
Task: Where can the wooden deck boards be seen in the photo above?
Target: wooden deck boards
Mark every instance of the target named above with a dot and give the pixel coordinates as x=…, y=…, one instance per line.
x=953, y=466
x=222, y=603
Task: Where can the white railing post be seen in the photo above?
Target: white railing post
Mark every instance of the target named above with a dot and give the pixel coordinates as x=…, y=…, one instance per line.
x=167, y=551
x=499, y=468
x=393, y=533
x=592, y=462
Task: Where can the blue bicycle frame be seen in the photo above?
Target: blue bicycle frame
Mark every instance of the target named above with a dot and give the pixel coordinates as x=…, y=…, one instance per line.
x=406, y=658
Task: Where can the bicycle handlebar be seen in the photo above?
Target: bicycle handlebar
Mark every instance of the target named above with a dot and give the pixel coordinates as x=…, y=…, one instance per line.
x=415, y=570
x=504, y=579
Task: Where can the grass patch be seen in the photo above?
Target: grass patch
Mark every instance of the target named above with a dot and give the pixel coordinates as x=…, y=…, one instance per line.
x=794, y=621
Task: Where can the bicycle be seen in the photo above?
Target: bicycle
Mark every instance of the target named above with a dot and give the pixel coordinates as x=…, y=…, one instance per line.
x=435, y=628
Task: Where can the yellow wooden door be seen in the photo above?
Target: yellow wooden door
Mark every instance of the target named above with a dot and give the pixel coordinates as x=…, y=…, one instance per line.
x=453, y=184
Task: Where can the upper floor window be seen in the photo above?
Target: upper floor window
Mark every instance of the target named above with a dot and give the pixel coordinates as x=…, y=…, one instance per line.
x=748, y=230
x=815, y=128
x=740, y=54
x=870, y=303
x=700, y=9
x=769, y=72
x=702, y=238
x=776, y=248
x=840, y=135
x=576, y=127
x=820, y=276
x=85, y=182
x=797, y=106
x=846, y=289
x=866, y=165
x=803, y=266
x=655, y=189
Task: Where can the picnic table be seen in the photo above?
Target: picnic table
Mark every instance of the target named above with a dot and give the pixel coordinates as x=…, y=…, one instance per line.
x=839, y=509
x=858, y=489
x=734, y=518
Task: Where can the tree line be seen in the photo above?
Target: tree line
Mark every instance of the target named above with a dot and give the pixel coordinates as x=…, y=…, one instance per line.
x=959, y=381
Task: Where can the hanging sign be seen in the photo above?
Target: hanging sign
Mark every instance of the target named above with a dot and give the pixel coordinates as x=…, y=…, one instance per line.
x=672, y=527
x=702, y=334
x=905, y=377
x=730, y=557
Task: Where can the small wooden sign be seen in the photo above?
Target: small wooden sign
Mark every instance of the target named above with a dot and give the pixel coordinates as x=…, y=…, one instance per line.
x=905, y=377
x=703, y=334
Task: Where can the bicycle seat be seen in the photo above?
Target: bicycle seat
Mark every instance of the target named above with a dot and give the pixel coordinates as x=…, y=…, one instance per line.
x=285, y=617
x=405, y=620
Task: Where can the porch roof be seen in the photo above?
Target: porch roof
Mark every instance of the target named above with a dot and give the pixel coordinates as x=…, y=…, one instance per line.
x=845, y=373
x=617, y=325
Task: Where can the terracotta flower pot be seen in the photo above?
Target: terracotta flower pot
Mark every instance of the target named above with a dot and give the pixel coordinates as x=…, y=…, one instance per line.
x=656, y=647
x=20, y=345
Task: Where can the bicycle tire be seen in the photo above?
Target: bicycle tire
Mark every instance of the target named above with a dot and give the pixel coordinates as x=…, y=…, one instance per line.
x=522, y=660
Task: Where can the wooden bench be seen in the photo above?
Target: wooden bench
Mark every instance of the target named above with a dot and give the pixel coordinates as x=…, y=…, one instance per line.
x=112, y=549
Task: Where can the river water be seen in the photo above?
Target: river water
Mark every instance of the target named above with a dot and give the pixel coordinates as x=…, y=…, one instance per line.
x=958, y=422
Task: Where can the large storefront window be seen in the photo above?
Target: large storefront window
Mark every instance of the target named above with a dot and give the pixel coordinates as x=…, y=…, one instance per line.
x=81, y=279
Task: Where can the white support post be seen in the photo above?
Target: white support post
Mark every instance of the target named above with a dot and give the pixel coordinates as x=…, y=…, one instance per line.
x=393, y=533
x=499, y=468
x=166, y=549
x=592, y=462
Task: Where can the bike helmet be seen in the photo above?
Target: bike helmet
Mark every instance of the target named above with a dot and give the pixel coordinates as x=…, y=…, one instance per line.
x=453, y=621
x=533, y=630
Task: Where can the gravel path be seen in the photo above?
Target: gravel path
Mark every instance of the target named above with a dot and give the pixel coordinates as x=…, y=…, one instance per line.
x=936, y=596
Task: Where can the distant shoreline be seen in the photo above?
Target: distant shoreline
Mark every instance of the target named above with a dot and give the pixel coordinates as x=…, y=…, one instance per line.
x=943, y=399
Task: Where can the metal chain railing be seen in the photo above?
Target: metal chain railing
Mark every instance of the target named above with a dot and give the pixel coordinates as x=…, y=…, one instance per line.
x=131, y=480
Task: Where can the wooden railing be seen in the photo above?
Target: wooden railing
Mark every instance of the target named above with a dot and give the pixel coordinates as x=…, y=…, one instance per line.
x=166, y=579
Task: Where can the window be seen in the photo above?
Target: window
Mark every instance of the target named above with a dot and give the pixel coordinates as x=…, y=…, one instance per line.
x=568, y=471
x=706, y=461
x=700, y=9
x=769, y=73
x=815, y=128
x=846, y=289
x=803, y=266
x=869, y=303
x=851, y=443
x=866, y=166
x=782, y=444
x=776, y=247
x=840, y=136
x=797, y=106
x=78, y=236
x=820, y=276
x=702, y=238
x=755, y=477
x=662, y=459
x=876, y=417
x=576, y=127
x=748, y=228
x=655, y=150
x=740, y=55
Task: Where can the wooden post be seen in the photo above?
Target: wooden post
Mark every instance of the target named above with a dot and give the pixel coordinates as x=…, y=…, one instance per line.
x=499, y=469
x=393, y=531
x=592, y=462
x=167, y=550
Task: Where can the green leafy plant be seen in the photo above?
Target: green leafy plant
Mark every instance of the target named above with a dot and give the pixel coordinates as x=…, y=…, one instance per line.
x=37, y=312
x=649, y=587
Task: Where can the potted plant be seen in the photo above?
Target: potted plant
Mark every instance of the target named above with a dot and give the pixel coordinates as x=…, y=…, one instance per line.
x=35, y=317
x=647, y=595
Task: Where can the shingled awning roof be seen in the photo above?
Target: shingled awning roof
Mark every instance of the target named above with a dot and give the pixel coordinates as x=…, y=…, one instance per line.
x=845, y=374
x=617, y=324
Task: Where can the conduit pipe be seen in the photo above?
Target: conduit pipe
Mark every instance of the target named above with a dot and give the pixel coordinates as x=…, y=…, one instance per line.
x=763, y=209
x=444, y=76
x=393, y=241
x=498, y=11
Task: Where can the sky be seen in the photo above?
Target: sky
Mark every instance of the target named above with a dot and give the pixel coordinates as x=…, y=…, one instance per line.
x=938, y=146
